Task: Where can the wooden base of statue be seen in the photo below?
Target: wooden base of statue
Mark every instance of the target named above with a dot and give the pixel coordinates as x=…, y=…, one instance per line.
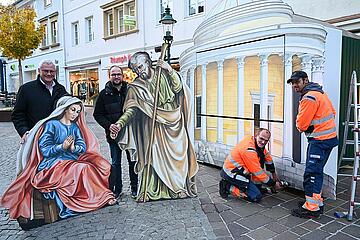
x=45, y=211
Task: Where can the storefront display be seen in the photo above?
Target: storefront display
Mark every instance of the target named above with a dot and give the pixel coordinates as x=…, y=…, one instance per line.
x=84, y=84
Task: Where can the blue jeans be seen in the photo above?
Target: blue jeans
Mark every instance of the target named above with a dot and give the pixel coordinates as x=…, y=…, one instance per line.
x=318, y=153
x=251, y=189
x=115, y=182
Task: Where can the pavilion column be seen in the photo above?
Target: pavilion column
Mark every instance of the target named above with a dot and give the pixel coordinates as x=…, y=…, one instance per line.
x=203, y=102
x=192, y=92
x=240, y=96
x=318, y=70
x=220, y=100
x=288, y=109
x=306, y=66
x=264, y=89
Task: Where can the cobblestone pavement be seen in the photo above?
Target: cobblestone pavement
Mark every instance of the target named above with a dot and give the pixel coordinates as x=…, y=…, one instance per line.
x=206, y=217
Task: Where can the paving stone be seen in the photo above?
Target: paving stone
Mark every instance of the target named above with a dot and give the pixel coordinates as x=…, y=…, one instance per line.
x=271, y=201
x=254, y=221
x=220, y=207
x=333, y=227
x=324, y=219
x=341, y=236
x=310, y=225
x=286, y=236
x=261, y=234
x=229, y=216
x=352, y=230
x=276, y=227
x=236, y=229
x=208, y=208
x=276, y=212
x=291, y=221
x=316, y=234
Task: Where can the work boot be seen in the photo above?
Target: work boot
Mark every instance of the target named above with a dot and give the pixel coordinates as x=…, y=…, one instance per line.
x=224, y=193
x=301, y=203
x=304, y=213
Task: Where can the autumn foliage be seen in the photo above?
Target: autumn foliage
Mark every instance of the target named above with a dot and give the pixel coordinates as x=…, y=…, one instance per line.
x=19, y=35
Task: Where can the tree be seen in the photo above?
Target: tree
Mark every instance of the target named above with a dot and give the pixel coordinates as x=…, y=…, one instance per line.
x=19, y=35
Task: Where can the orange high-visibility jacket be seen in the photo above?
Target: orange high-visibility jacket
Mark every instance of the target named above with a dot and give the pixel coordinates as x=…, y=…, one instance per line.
x=244, y=156
x=316, y=110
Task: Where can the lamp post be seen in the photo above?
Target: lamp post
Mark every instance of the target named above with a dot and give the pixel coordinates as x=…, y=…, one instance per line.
x=168, y=22
x=3, y=71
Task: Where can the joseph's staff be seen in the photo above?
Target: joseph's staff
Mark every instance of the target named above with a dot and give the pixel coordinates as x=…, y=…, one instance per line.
x=149, y=150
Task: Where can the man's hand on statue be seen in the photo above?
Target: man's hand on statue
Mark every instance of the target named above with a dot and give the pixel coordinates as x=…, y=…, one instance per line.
x=164, y=65
x=67, y=142
x=24, y=137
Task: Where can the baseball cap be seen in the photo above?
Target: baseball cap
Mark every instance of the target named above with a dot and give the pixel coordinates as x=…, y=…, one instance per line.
x=297, y=75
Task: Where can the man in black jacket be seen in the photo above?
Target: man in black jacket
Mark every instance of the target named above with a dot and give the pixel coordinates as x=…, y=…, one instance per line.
x=36, y=99
x=108, y=110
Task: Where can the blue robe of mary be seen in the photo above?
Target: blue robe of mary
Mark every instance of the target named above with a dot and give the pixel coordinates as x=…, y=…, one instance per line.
x=51, y=146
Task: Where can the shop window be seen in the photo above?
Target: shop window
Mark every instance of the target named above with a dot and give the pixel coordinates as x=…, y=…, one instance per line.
x=198, y=112
x=119, y=18
x=75, y=33
x=195, y=6
x=89, y=29
x=84, y=84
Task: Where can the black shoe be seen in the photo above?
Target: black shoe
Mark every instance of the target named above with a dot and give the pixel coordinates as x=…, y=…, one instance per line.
x=304, y=213
x=321, y=211
x=133, y=191
x=224, y=193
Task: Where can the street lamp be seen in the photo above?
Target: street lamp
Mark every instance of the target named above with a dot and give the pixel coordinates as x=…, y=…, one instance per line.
x=168, y=22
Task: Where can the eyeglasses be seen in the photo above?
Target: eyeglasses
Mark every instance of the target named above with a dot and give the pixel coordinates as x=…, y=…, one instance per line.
x=116, y=74
x=48, y=71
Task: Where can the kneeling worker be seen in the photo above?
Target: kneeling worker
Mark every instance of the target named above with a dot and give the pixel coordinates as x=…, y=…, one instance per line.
x=243, y=171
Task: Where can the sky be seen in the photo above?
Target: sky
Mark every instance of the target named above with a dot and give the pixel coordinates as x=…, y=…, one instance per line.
x=6, y=2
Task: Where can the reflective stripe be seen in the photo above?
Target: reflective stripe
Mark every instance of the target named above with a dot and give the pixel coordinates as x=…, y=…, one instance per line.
x=234, y=162
x=269, y=162
x=322, y=120
x=238, y=177
x=322, y=133
x=251, y=150
x=258, y=173
x=309, y=97
x=312, y=200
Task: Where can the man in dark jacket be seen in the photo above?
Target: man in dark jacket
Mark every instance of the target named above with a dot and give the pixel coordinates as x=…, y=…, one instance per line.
x=36, y=99
x=108, y=110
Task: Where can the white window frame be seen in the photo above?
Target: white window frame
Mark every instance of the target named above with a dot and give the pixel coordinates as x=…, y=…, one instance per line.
x=119, y=10
x=75, y=33
x=197, y=4
x=89, y=26
x=54, y=31
x=44, y=41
